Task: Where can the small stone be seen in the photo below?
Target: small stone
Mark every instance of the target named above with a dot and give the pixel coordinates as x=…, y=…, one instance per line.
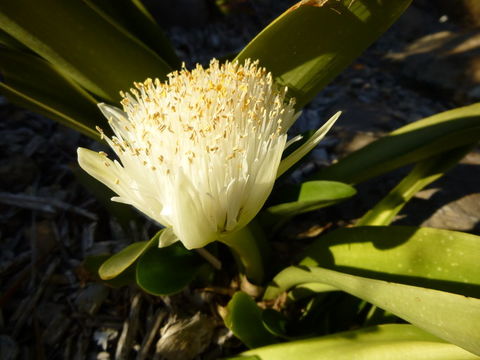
x=460, y=215
x=103, y=336
x=185, y=339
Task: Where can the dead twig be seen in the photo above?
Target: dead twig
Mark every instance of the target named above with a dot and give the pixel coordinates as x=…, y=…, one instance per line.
x=152, y=333
x=47, y=205
x=23, y=312
x=130, y=328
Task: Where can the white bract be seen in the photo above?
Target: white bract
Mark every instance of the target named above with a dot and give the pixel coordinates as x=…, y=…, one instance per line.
x=200, y=152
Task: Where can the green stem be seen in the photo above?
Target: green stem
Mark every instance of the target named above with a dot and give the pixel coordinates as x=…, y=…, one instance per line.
x=249, y=249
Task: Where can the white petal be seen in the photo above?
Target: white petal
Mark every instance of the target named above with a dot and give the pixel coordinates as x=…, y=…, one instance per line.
x=117, y=119
x=288, y=122
x=293, y=140
x=167, y=238
x=191, y=224
x=263, y=185
x=303, y=150
x=99, y=166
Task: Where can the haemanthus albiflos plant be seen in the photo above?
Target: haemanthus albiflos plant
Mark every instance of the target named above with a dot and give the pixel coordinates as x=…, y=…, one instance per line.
x=200, y=152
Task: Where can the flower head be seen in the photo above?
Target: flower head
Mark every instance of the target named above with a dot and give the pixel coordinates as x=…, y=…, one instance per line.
x=200, y=152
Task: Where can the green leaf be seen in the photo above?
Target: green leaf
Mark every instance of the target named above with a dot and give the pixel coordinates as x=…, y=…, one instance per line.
x=134, y=18
x=308, y=289
x=10, y=42
x=119, y=262
x=309, y=196
x=81, y=44
x=165, y=271
x=409, y=144
x=452, y=317
x=440, y=259
x=385, y=342
x=91, y=266
x=244, y=319
x=250, y=250
x=313, y=41
x=424, y=173
x=275, y=322
x=33, y=83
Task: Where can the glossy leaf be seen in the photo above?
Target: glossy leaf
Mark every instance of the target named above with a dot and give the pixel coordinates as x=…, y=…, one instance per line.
x=275, y=322
x=165, y=271
x=452, y=317
x=31, y=82
x=89, y=272
x=81, y=44
x=385, y=342
x=244, y=319
x=119, y=262
x=308, y=289
x=131, y=16
x=423, y=174
x=10, y=42
x=441, y=259
x=409, y=144
x=313, y=41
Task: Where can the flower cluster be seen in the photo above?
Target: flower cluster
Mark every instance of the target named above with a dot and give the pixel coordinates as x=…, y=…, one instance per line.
x=198, y=153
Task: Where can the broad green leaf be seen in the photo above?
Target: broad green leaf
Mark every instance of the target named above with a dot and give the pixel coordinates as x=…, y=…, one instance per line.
x=32, y=82
x=309, y=289
x=423, y=173
x=275, y=322
x=441, y=259
x=91, y=265
x=134, y=18
x=409, y=144
x=313, y=41
x=244, y=319
x=385, y=342
x=309, y=196
x=81, y=44
x=451, y=317
x=125, y=258
x=165, y=271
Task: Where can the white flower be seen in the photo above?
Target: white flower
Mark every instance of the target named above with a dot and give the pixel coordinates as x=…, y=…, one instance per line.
x=199, y=153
